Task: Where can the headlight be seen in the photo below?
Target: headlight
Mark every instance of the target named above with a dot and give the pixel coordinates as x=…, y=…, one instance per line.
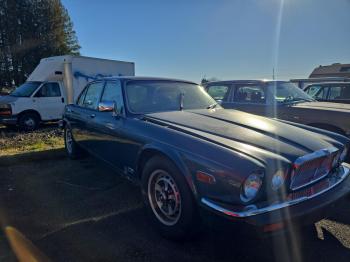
x=278, y=180
x=343, y=154
x=251, y=187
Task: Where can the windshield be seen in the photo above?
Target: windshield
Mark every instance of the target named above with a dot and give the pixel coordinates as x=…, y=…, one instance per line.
x=26, y=89
x=286, y=92
x=159, y=96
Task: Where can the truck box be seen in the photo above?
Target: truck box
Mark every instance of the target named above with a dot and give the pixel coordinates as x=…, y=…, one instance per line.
x=55, y=82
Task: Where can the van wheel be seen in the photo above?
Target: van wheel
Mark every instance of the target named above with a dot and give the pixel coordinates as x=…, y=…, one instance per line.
x=28, y=121
x=73, y=150
x=169, y=201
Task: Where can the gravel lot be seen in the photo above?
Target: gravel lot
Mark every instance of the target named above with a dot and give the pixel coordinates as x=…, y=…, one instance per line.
x=83, y=211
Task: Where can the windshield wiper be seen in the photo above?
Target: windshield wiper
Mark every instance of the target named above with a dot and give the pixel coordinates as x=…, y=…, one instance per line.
x=212, y=106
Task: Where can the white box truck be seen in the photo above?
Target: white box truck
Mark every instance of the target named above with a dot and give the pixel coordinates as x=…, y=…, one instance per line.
x=55, y=82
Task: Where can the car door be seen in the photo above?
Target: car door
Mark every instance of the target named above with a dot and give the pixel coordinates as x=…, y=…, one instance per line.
x=82, y=115
x=49, y=101
x=110, y=136
x=249, y=98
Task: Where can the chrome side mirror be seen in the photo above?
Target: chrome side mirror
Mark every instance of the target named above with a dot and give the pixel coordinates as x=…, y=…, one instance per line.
x=107, y=106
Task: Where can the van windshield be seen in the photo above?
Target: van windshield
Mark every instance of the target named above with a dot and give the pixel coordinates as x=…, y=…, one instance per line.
x=26, y=90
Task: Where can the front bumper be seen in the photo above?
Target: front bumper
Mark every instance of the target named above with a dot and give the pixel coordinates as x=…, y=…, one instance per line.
x=8, y=120
x=311, y=203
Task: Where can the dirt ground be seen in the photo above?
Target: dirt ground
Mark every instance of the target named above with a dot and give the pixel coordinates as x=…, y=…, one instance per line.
x=83, y=211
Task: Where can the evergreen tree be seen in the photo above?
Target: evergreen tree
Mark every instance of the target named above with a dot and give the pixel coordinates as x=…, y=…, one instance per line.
x=31, y=30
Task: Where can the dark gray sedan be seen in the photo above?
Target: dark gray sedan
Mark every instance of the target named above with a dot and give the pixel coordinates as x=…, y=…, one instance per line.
x=189, y=155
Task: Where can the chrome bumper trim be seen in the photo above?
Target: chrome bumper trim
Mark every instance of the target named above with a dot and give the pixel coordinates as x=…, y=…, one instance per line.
x=252, y=210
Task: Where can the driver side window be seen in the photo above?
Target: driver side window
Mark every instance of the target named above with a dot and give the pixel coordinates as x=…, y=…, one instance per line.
x=250, y=94
x=113, y=92
x=49, y=90
x=93, y=94
x=218, y=92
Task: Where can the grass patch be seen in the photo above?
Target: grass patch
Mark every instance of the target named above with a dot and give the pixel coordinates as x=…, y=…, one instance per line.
x=12, y=142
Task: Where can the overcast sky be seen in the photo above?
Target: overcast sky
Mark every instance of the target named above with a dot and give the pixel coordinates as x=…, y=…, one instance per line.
x=233, y=39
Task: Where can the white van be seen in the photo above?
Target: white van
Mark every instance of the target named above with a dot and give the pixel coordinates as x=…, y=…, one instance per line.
x=55, y=82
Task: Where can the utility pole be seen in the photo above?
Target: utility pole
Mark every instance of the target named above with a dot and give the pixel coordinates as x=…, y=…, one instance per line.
x=273, y=73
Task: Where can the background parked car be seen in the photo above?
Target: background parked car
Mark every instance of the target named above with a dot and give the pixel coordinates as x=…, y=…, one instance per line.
x=336, y=92
x=283, y=100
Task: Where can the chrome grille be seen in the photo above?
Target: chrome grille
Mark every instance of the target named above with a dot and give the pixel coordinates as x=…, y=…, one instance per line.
x=312, y=167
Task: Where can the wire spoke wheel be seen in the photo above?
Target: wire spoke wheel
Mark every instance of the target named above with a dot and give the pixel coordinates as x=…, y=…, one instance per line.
x=164, y=197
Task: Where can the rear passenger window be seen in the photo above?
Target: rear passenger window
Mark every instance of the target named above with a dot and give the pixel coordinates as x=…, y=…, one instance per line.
x=335, y=92
x=93, y=95
x=250, y=94
x=339, y=92
x=346, y=93
x=218, y=92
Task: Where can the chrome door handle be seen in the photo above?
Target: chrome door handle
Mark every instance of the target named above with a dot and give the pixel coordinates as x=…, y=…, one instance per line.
x=92, y=115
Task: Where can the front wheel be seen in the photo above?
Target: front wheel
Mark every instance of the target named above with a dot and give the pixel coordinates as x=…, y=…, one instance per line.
x=169, y=200
x=28, y=121
x=72, y=148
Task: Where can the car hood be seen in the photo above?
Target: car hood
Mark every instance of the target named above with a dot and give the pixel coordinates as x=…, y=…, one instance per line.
x=7, y=99
x=256, y=136
x=324, y=106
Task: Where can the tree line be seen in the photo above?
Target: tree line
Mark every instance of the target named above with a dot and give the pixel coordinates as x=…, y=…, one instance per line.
x=31, y=30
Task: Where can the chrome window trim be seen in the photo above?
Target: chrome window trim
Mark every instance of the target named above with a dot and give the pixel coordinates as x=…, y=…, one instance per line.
x=343, y=173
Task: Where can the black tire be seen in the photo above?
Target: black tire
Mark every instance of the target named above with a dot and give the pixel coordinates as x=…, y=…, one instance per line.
x=185, y=223
x=73, y=150
x=28, y=121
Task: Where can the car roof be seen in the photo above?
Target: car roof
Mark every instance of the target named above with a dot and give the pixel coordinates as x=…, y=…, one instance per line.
x=147, y=78
x=243, y=82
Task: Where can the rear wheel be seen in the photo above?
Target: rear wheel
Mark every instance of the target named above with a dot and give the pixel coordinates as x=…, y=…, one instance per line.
x=72, y=148
x=28, y=121
x=169, y=200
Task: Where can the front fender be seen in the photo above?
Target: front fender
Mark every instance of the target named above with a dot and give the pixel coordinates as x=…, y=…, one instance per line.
x=171, y=153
